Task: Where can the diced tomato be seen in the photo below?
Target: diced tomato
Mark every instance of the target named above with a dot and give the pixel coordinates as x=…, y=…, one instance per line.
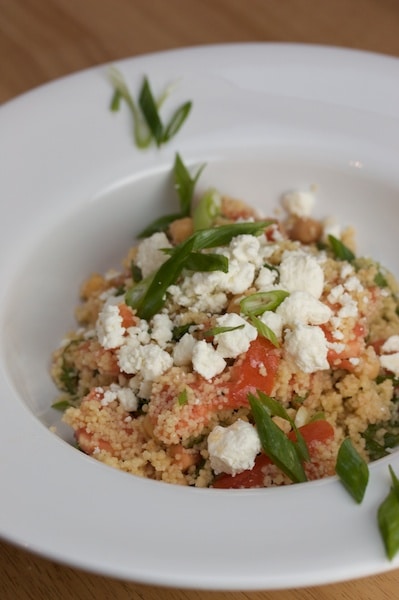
x=317, y=431
x=353, y=349
x=256, y=371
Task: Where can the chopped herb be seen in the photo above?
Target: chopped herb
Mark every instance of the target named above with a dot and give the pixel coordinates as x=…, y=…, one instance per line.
x=352, y=470
x=136, y=272
x=260, y=302
x=388, y=518
x=279, y=448
x=178, y=332
x=182, y=398
x=380, y=280
x=340, y=251
x=378, y=448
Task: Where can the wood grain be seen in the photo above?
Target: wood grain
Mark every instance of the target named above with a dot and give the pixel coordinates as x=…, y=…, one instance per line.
x=41, y=40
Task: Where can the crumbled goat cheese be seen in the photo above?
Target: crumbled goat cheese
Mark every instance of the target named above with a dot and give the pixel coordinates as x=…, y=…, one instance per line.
x=390, y=362
x=274, y=321
x=300, y=271
x=233, y=449
x=391, y=344
x=245, y=248
x=125, y=396
x=149, y=360
x=231, y=344
x=206, y=360
x=266, y=279
x=109, y=328
x=183, y=350
x=299, y=204
x=302, y=307
x=162, y=329
x=149, y=254
x=331, y=227
x=307, y=346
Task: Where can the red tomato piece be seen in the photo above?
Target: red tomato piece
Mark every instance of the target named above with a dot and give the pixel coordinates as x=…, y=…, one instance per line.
x=256, y=371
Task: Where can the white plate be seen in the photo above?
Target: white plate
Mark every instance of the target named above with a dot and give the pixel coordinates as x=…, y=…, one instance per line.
x=74, y=190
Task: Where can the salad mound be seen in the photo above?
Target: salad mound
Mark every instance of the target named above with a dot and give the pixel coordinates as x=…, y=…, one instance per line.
x=234, y=351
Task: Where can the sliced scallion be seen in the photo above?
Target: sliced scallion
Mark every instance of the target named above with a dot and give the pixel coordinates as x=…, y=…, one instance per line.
x=388, y=518
x=207, y=209
x=258, y=303
x=340, y=250
x=352, y=470
x=264, y=330
x=276, y=445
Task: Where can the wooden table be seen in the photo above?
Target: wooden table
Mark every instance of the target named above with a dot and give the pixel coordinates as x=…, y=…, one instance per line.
x=44, y=39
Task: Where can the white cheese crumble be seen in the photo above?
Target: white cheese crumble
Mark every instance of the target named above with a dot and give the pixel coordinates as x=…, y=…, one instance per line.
x=391, y=344
x=149, y=253
x=390, y=362
x=231, y=344
x=110, y=331
x=233, y=449
x=148, y=360
x=206, y=360
x=162, y=329
x=299, y=204
x=302, y=307
x=125, y=396
x=183, y=350
x=301, y=271
x=307, y=346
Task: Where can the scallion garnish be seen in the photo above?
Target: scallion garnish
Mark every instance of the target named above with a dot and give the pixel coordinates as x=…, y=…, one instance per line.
x=218, y=330
x=206, y=262
x=388, y=518
x=154, y=297
x=258, y=303
x=184, y=185
x=352, y=470
x=340, y=251
x=264, y=330
x=207, y=209
x=284, y=453
x=148, y=125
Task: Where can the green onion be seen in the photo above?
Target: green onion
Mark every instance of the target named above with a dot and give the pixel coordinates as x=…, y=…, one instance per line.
x=148, y=125
x=142, y=134
x=181, y=330
x=207, y=262
x=265, y=331
x=340, y=251
x=260, y=302
x=176, y=121
x=154, y=297
x=388, y=518
x=218, y=330
x=150, y=112
x=184, y=185
x=278, y=447
x=207, y=209
x=352, y=470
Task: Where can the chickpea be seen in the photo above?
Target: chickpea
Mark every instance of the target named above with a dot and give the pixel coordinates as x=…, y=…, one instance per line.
x=305, y=230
